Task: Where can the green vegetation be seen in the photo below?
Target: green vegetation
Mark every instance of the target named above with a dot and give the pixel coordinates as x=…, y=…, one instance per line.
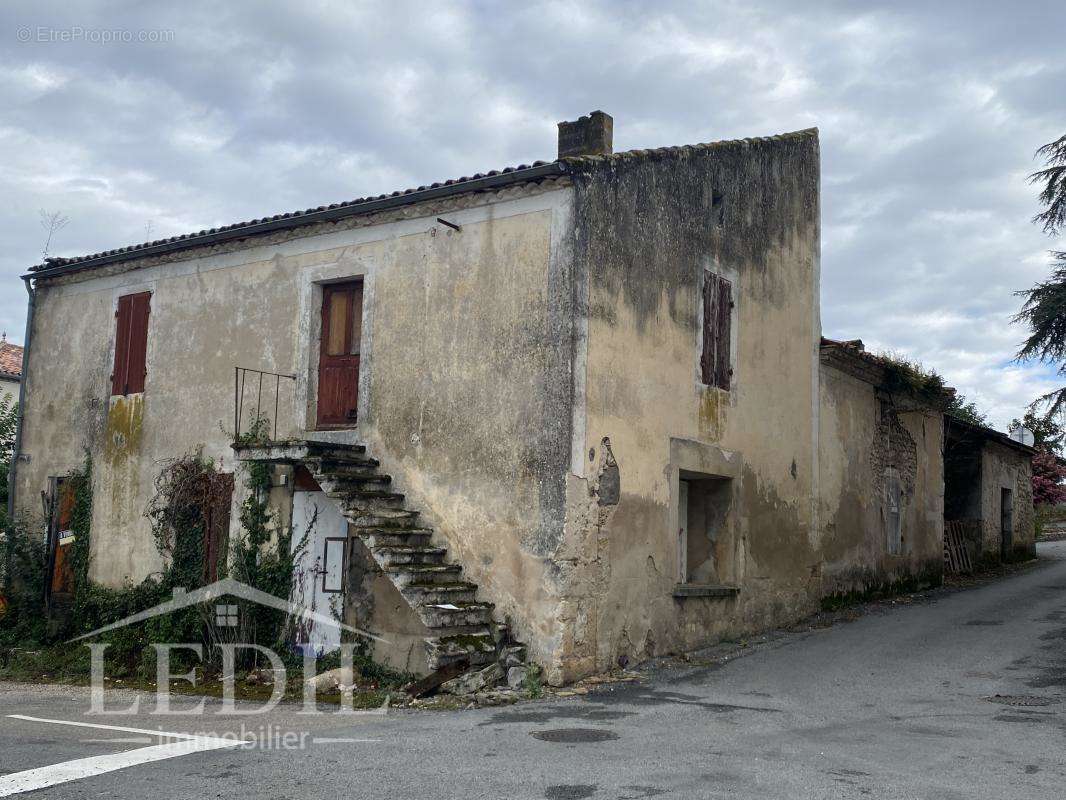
x=533, y=683
x=190, y=492
x=1044, y=307
x=904, y=376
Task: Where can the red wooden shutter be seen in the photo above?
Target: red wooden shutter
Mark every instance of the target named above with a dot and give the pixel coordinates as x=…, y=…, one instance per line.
x=122, y=345
x=710, y=328
x=138, y=342
x=131, y=343
x=722, y=369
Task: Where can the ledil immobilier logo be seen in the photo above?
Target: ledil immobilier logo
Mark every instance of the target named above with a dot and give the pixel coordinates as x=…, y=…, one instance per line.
x=220, y=602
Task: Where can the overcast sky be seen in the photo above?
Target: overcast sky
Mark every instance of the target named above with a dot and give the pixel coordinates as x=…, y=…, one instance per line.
x=929, y=115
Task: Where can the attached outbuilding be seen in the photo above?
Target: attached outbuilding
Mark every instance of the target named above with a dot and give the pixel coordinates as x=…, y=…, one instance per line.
x=988, y=491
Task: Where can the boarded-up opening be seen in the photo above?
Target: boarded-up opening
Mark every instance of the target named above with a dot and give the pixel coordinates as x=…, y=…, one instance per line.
x=717, y=311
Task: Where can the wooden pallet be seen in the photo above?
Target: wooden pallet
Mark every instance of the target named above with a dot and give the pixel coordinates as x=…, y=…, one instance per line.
x=956, y=553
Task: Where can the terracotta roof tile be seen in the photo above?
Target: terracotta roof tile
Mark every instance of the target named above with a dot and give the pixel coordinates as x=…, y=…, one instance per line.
x=10, y=359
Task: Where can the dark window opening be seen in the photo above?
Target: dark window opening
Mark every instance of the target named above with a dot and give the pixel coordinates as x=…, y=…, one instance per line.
x=715, y=360
x=704, y=546
x=131, y=344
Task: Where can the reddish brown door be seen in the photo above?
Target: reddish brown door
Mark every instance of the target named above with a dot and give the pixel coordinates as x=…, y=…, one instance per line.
x=338, y=363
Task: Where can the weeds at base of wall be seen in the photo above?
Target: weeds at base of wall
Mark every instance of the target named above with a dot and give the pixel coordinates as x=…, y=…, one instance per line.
x=533, y=682
x=919, y=582
x=33, y=647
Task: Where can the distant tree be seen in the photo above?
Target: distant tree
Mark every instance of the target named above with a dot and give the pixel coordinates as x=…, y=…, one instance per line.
x=1047, y=433
x=966, y=411
x=1048, y=477
x=53, y=222
x=1044, y=309
x=1053, y=195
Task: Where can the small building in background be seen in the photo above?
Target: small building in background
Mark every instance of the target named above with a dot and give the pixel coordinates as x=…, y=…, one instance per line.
x=10, y=369
x=988, y=491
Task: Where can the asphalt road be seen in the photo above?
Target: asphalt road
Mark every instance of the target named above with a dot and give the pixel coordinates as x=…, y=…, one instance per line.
x=892, y=705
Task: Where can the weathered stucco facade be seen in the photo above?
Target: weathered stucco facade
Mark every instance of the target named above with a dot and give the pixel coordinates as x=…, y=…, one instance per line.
x=871, y=441
x=534, y=377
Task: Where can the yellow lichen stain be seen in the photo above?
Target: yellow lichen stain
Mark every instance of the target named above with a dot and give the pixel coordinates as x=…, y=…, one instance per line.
x=125, y=424
x=712, y=409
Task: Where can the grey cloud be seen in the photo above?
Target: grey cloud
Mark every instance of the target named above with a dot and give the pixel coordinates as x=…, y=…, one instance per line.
x=929, y=113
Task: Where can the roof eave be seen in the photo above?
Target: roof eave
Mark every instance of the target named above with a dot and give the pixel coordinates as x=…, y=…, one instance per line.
x=324, y=215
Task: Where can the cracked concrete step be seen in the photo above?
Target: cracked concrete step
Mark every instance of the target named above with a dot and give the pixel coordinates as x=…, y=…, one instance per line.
x=399, y=520
x=302, y=451
x=475, y=648
x=365, y=501
x=339, y=485
x=367, y=468
x=423, y=574
x=353, y=465
x=395, y=537
x=458, y=615
x=455, y=592
x=333, y=450
x=479, y=631
x=406, y=554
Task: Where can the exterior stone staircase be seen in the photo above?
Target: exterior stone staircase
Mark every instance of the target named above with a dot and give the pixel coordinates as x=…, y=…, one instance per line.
x=463, y=631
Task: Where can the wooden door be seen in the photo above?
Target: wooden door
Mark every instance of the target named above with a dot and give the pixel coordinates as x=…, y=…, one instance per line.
x=1006, y=523
x=61, y=540
x=338, y=364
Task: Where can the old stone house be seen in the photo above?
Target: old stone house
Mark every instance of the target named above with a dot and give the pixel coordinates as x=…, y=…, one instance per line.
x=584, y=400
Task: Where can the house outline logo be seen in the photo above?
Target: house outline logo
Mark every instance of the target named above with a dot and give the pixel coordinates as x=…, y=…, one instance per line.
x=227, y=587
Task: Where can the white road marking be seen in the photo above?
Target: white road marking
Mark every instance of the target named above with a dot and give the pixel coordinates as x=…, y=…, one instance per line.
x=119, y=740
x=329, y=740
x=42, y=777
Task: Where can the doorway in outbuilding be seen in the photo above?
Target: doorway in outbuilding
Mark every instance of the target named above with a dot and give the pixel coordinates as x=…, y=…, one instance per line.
x=1006, y=523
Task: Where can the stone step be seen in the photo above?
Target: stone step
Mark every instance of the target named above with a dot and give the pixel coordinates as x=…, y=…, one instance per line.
x=459, y=630
x=474, y=648
x=334, y=484
x=335, y=450
x=409, y=554
x=404, y=575
x=369, y=500
x=354, y=465
x=455, y=615
x=455, y=593
x=396, y=520
x=395, y=537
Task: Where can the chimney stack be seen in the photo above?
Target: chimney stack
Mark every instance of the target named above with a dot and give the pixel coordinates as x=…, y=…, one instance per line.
x=588, y=136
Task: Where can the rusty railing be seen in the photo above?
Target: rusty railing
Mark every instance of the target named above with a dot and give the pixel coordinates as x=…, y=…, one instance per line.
x=240, y=378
